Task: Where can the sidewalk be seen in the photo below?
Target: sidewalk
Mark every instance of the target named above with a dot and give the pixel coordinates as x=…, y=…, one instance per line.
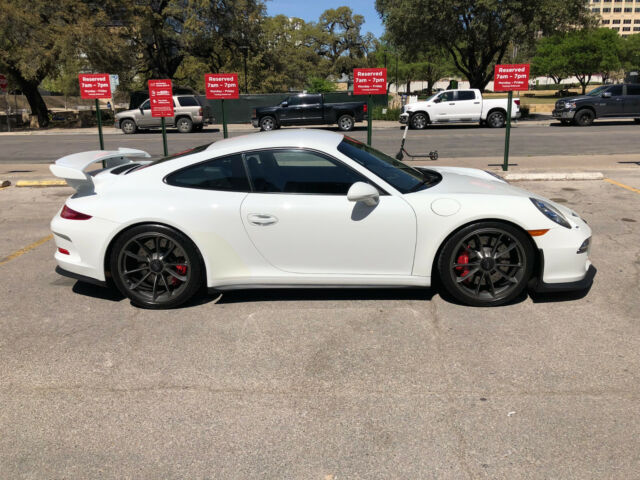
x=534, y=120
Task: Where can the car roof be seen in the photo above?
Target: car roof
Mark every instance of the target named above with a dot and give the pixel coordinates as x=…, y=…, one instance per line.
x=303, y=138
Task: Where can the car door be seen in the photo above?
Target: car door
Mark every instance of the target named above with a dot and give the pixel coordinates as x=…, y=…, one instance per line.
x=440, y=110
x=466, y=106
x=614, y=104
x=299, y=219
x=632, y=100
x=292, y=113
x=312, y=109
x=144, y=118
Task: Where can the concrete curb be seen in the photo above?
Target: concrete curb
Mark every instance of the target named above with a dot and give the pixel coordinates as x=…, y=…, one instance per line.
x=517, y=177
x=41, y=183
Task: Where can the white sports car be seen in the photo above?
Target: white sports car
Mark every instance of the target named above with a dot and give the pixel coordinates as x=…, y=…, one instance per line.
x=308, y=208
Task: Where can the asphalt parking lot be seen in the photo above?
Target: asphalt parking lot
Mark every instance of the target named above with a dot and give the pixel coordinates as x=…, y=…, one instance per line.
x=321, y=384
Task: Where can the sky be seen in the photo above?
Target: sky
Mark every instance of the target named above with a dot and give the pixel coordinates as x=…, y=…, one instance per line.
x=312, y=11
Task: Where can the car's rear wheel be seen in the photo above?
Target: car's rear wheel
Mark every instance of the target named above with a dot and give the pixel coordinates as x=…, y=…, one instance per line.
x=496, y=119
x=156, y=266
x=346, y=123
x=184, y=125
x=267, y=124
x=584, y=118
x=486, y=264
x=419, y=121
x=128, y=126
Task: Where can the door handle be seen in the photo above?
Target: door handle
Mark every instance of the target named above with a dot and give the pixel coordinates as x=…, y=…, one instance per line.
x=452, y=103
x=261, y=219
x=476, y=103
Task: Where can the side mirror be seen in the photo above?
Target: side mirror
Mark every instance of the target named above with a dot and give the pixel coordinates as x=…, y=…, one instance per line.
x=437, y=100
x=606, y=95
x=284, y=104
x=141, y=111
x=365, y=193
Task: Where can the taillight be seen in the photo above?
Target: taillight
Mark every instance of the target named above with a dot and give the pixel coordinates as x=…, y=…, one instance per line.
x=71, y=214
x=253, y=113
x=200, y=112
x=364, y=109
x=63, y=251
x=517, y=100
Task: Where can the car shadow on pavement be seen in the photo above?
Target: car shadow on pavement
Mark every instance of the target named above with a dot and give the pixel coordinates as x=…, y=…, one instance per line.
x=597, y=123
x=558, y=297
x=96, y=291
x=321, y=294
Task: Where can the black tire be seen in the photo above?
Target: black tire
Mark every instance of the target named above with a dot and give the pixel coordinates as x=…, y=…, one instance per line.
x=267, y=123
x=637, y=120
x=497, y=119
x=498, y=265
x=584, y=118
x=184, y=125
x=418, y=121
x=346, y=122
x=128, y=126
x=156, y=266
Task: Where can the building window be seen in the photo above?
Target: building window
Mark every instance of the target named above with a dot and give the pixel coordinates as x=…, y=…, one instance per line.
x=636, y=21
x=637, y=10
x=618, y=1
x=606, y=22
x=617, y=29
x=628, y=10
x=595, y=10
x=626, y=29
x=617, y=10
x=626, y=22
x=636, y=29
x=606, y=1
x=606, y=10
x=615, y=22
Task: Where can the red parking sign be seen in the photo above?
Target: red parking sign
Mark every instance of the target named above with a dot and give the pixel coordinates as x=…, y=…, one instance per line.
x=369, y=81
x=221, y=86
x=94, y=85
x=511, y=77
x=161, y=98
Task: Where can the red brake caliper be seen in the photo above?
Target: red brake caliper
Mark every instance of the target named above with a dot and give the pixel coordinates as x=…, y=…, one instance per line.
x=182, y=270
x=463, y=258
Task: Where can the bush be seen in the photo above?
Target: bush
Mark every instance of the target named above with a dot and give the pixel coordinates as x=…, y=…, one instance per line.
x=524, y=111
x=391, y=113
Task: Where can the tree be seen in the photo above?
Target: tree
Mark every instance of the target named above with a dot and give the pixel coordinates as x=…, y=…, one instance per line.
x=320, y=85
x=591, y=51
x=549, y=60
x=476, y=33
x=631, y=52
x=37, y=39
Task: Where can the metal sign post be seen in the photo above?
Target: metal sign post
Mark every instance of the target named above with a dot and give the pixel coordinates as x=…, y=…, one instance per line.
x=369, y=81
x=161, y=102
x=4, y=88
x=222, y=86
x=508, y=78
x=95, y=86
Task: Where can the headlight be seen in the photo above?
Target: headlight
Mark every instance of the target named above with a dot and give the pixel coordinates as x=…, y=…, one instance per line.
x=551, y=212
x=569, y=104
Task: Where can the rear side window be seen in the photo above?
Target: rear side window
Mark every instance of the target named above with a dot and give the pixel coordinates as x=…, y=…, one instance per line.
x=615, y=91
x=633, y=89
x=225, y=174
x=466, y=95
x=188, y=102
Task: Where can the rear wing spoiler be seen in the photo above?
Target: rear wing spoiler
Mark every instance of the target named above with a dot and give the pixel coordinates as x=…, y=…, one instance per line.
x=72, y=167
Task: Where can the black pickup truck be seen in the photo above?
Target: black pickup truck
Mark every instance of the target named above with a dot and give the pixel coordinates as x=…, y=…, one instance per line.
x=621, y=100
x=309, y=109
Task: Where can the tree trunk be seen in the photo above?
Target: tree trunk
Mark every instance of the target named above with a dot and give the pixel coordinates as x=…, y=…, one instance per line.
x=38, y=107
x=408, y=87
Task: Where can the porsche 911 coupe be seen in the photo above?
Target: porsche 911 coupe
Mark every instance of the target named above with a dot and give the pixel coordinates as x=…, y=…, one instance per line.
x=307, y=208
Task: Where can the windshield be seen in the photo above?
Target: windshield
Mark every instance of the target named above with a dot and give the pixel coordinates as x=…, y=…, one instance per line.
x=400, y=176
x=199, y=149
x=597, y=91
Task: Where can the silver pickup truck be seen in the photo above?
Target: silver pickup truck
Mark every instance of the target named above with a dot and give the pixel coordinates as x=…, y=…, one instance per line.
x=459, y=106
x=190, y=115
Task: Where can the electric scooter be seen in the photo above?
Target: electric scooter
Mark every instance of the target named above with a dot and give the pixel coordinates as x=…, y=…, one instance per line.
x=433, y=155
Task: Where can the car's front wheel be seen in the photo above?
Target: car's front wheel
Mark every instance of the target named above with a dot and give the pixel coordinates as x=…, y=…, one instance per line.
x=267, y=124
x=128, y=126
x=418, y=121
x=156, y=266
x=584, y=118
x=486, y=264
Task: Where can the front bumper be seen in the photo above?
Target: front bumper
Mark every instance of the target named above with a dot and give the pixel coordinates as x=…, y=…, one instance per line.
x=541, y=286
x=404, y=118
x=564, y=114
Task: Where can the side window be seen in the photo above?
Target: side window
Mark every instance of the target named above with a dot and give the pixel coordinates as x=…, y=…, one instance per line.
x=145, y=105
x=466, y=95
x=299, y=171
x=226, y=174
x=447, y=97
x=633, y=89
x=293, y=101
x=615, y=91
x=188, y=102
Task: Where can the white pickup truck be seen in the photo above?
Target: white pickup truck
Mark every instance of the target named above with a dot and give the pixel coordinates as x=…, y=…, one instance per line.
x=459, y=106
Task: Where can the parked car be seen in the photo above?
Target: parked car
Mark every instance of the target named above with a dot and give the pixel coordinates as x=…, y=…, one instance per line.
x=308, y=208
x=309, y=109
x=190, y=115
x=459, y=106
x=621, y=100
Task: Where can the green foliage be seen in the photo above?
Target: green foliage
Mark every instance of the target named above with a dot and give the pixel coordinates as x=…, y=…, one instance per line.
x=476, y=33
x=320, y=85
x=549, y=59
x=389, y=114
x=631, y=52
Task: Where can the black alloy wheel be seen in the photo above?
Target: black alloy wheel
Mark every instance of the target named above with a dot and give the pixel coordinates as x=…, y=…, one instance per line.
x=496, y=120
x=585, y=118
x=267, y=124
x=486, y=264
x=419, y=121
x=156, y=266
